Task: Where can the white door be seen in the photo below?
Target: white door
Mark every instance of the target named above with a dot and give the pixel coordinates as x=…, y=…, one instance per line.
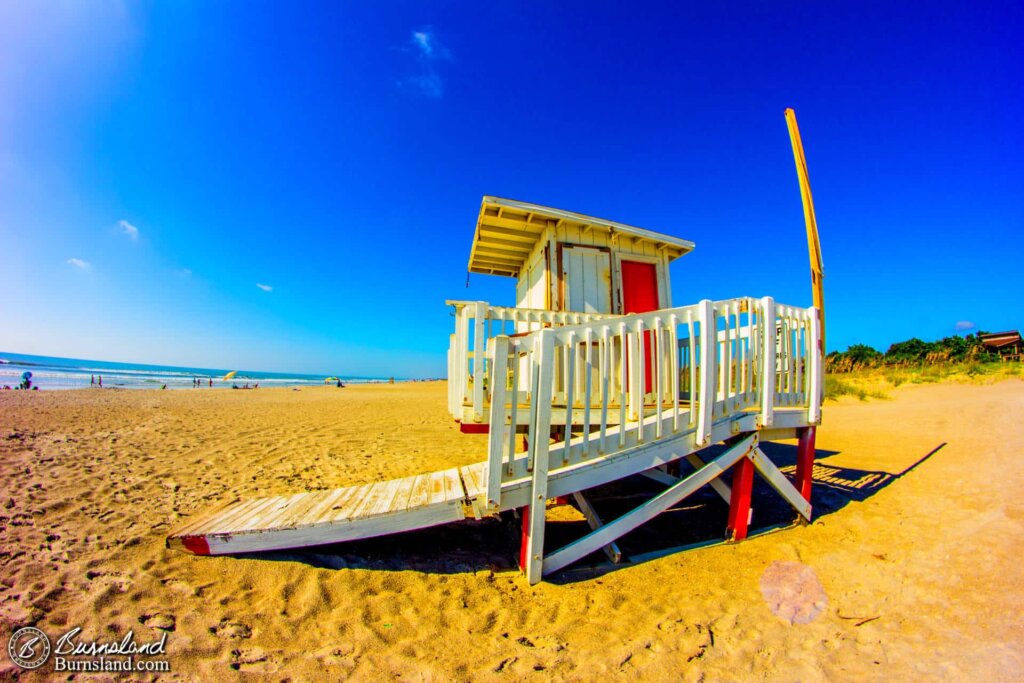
x=587, y=274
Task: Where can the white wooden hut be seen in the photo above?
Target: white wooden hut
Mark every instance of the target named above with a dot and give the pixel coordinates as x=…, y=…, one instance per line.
x=565, y=261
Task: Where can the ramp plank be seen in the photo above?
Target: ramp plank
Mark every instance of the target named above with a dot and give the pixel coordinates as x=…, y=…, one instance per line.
x=474, y=480
x=330, y=516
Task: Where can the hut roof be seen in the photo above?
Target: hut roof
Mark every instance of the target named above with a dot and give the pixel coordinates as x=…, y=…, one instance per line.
x=507, y=230
x=996, y=340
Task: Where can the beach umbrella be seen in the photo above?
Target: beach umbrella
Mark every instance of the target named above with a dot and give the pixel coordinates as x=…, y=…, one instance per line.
x=230, y=375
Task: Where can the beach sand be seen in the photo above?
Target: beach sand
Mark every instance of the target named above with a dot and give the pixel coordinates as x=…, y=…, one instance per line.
x=912, y=577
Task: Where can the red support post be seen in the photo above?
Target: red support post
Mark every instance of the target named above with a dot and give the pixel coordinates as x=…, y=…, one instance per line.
x=473, y=428
x=805, y=462
x=739, y=503
x=524, y=514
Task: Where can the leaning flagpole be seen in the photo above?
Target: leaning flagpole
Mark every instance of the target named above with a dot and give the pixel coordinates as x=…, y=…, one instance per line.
x=813, y=245
x=805, y=445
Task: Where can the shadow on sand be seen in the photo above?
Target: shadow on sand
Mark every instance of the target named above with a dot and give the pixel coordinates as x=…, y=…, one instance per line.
x=491, y=545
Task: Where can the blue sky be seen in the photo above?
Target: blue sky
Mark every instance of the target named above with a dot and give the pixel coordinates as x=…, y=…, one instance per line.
x=159, y=162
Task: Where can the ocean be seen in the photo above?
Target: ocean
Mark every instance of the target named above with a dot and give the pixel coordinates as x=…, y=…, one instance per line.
x=49, y=372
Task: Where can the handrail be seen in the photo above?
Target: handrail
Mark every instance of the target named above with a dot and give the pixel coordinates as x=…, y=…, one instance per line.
x=477, y=322
x=669, y=373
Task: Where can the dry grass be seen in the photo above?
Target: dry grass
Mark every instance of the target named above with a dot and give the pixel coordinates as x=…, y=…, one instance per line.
x=877, y=382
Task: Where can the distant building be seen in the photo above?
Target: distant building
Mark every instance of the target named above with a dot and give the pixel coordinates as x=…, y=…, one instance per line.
x=1003, y=343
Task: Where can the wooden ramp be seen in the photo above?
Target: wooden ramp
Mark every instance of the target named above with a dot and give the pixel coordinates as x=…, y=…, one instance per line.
x=332, y=516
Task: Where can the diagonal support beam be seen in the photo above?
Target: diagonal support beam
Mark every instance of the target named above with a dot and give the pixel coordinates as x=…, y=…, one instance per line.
x=662, y=477
x=717, y=484
x=778, y=481
x=652, y=508
x=612, y=549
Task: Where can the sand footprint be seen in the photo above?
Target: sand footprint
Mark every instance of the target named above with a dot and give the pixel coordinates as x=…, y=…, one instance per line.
x=178, y=586
x=114, y=580
x=255, y=660
x=231, y=630
x=158, y=620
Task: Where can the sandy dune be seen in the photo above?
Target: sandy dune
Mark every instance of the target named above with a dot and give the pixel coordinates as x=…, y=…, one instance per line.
x=907, y=577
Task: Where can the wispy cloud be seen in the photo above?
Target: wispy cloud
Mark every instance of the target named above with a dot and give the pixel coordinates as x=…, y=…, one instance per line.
x=79, y=263
x=964, y=325
x=427, y=84
x=265, y=288
x=185, y=272
x=428, y=51
x=129, y=229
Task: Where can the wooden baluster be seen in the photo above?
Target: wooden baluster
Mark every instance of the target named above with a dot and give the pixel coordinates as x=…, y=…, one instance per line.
x=513, y=408
x=657, y=342
x=639, y=377
x=752, y=348
x=814, y=393
x=708, y=372
x=674, y=345
x=588, y=387
x=478, y=360
x=767, y=361
x=693, y=368
x=740, y=355
x=605, y=376
x=496, y=438
x=570, y=393
x=531, y=428
x=623, y=379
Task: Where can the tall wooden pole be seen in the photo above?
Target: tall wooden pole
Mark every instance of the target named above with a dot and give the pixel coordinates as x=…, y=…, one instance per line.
x=813, y=245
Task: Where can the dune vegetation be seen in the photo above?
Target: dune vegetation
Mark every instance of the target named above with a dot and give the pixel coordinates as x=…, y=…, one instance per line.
x=864, y=372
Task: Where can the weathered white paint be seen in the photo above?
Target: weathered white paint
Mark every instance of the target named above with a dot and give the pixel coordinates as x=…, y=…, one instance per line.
x=587, y=277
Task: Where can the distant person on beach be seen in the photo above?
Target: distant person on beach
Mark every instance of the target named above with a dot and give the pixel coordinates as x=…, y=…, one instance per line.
x=211, y=382
x=164, y=386
x=340, y=385
x=99, y=380
x=92, y=380
x=26, y=380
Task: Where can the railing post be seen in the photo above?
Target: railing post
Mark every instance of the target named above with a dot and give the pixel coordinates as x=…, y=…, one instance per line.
x=814, y=355
x=450, y=375
x=497, y=438
x=629, y=339
x=708, y=371
x=479, y=329
x=462, y=355
x=767, y=361
x=541, y=432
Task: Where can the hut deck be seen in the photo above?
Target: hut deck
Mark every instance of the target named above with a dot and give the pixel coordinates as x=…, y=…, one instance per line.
x=331, y=516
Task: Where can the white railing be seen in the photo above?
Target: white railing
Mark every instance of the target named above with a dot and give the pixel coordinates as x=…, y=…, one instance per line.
x=624, y=381
x=477, y=323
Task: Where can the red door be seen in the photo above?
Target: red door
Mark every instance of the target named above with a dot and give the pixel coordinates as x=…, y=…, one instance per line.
x=639, y=295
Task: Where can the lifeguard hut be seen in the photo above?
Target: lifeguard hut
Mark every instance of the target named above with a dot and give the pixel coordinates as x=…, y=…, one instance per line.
x=564, y=263
x=603, y=377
